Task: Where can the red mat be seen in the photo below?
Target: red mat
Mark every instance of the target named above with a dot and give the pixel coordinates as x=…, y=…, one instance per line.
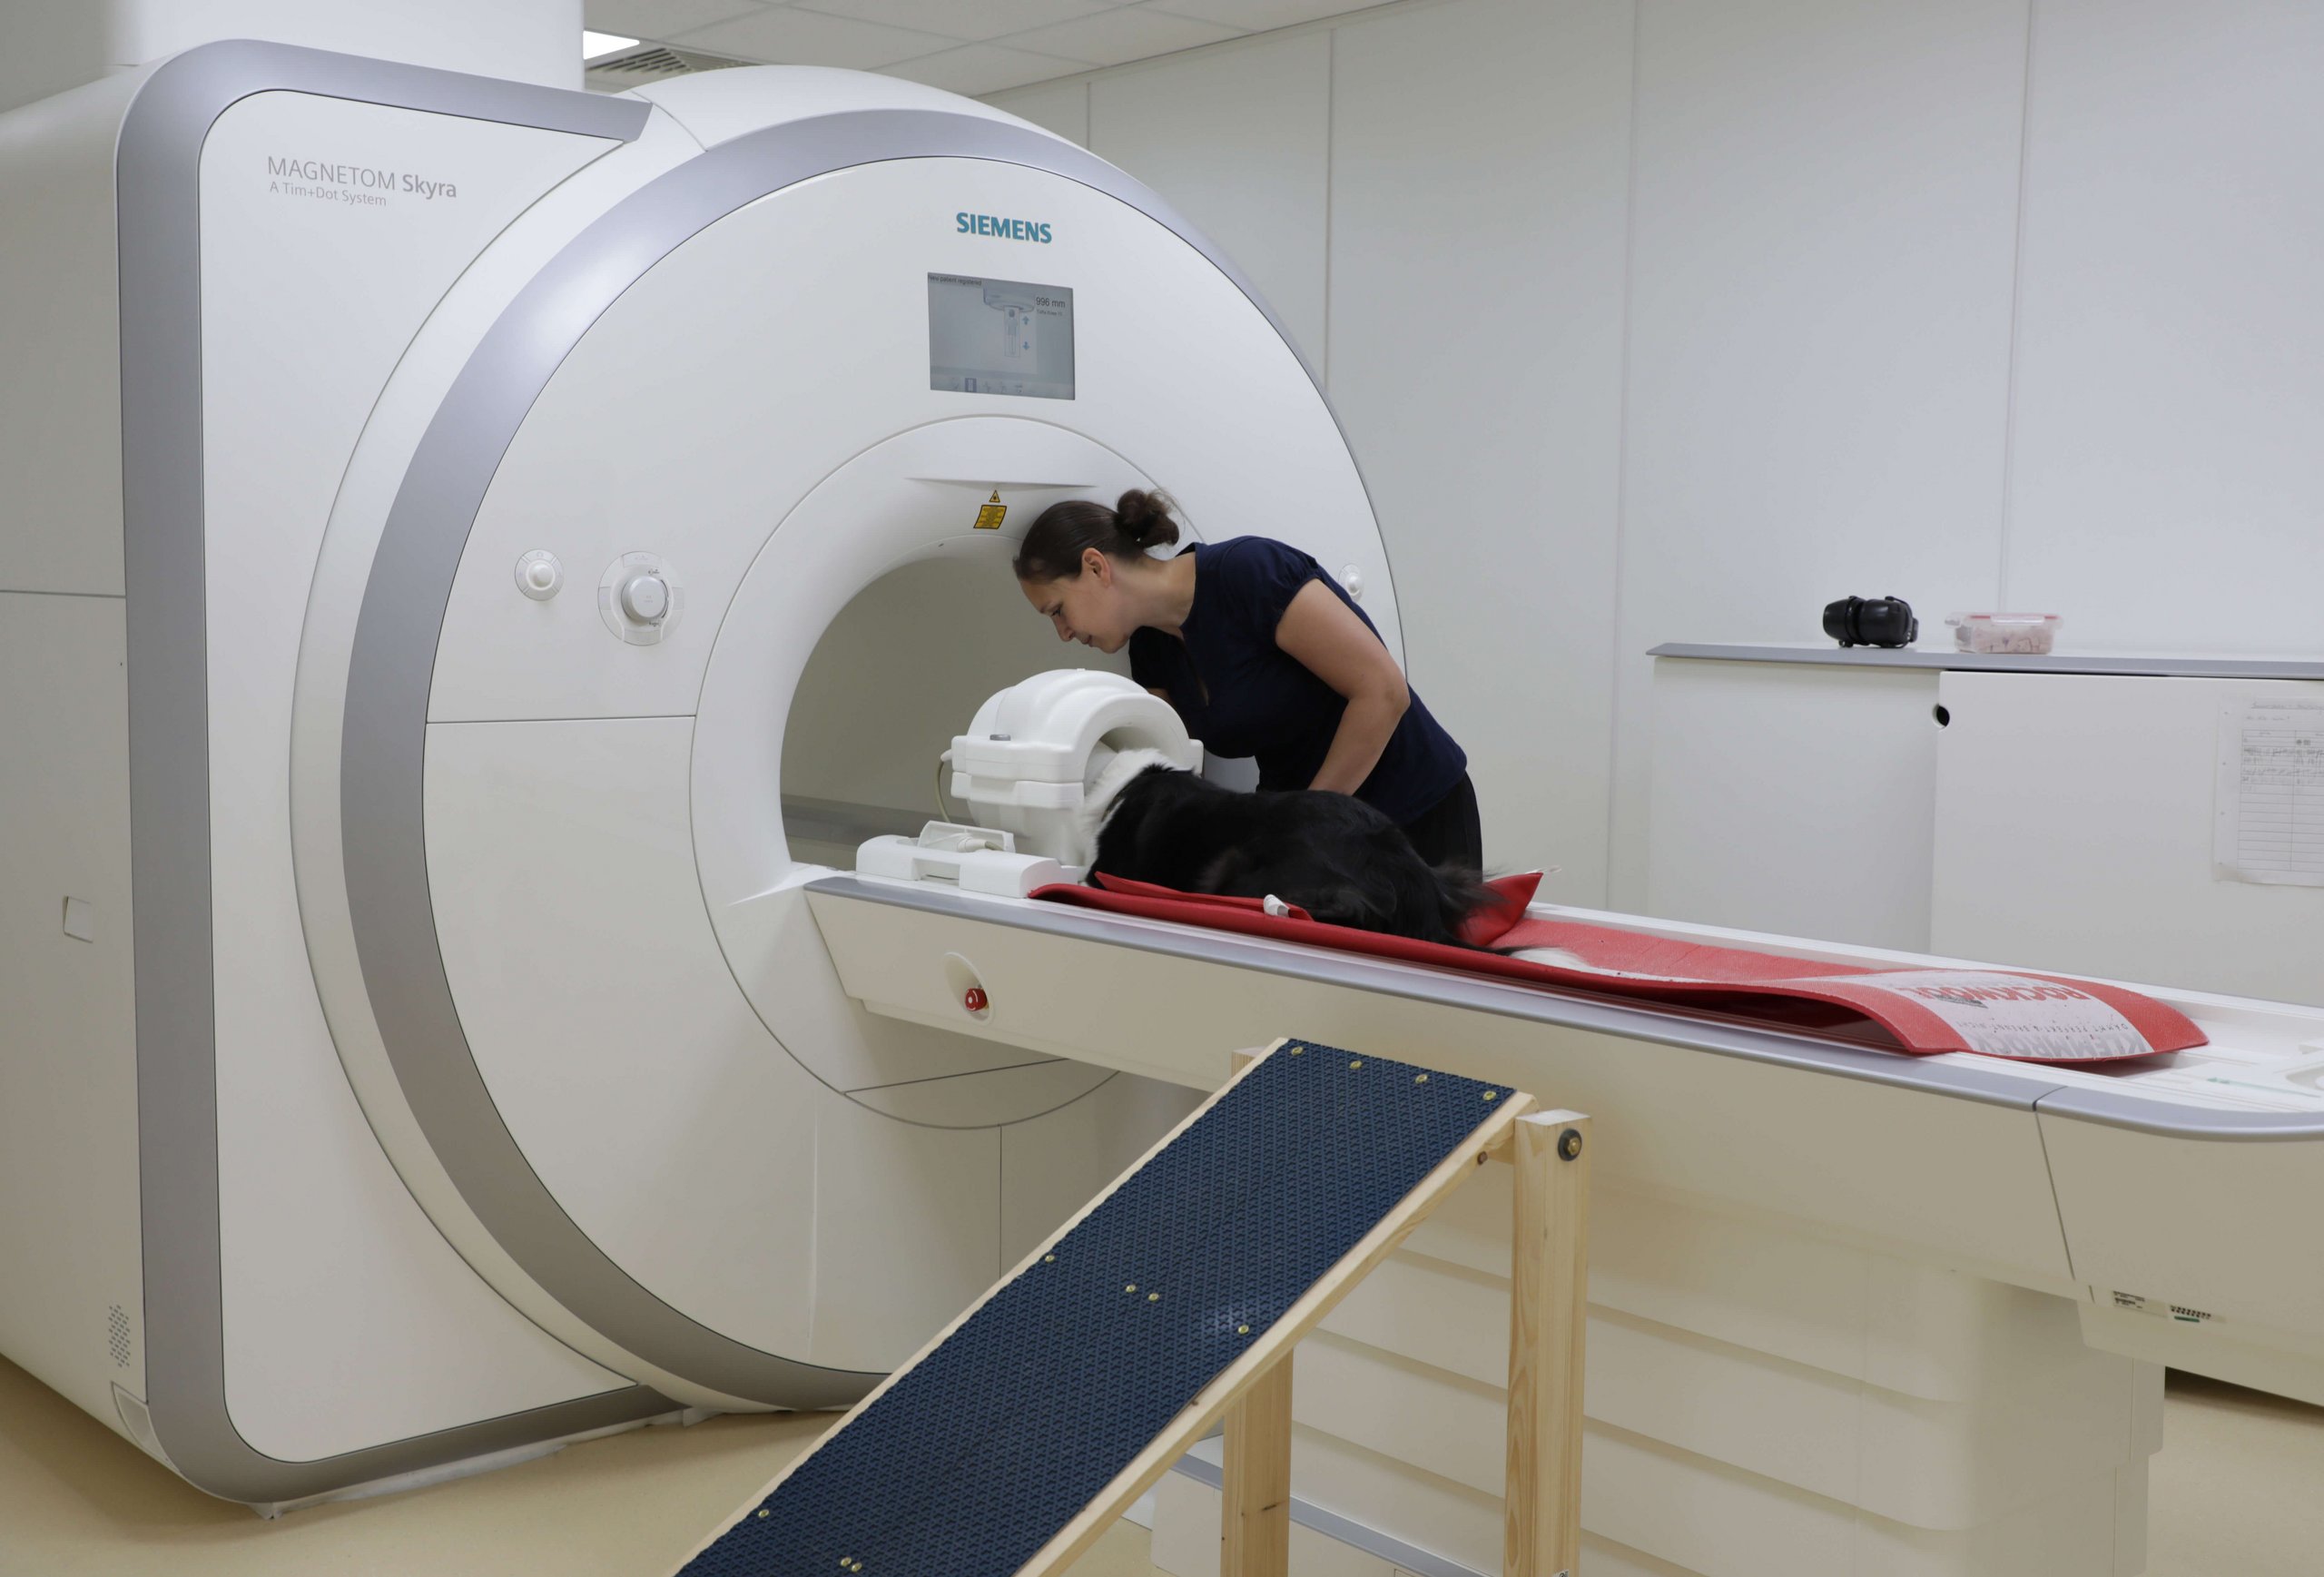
x=2025, y=1017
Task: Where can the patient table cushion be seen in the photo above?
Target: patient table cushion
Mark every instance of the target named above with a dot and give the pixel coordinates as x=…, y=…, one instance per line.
x=2013, y=1014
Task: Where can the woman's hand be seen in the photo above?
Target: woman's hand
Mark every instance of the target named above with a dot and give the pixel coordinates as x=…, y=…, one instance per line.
x=1327, y=639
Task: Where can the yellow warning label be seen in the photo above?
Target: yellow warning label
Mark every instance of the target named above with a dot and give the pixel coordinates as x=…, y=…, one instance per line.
x=989, y=517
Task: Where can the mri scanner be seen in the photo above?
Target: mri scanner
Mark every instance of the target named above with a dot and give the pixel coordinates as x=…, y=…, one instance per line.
x=482, y=559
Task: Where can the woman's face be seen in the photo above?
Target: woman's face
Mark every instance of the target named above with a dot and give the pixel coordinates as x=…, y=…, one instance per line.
x=1090, y=608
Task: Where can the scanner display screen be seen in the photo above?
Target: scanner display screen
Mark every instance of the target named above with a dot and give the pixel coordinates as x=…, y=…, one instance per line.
x=1000, y=337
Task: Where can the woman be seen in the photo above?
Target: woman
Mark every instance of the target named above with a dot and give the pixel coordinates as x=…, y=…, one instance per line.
x=1262, y=654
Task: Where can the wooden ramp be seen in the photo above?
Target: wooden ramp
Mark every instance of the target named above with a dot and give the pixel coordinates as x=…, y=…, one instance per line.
x=1173, y=1301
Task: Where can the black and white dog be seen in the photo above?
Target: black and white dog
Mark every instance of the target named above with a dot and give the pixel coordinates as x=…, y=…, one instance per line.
x=1333, y=856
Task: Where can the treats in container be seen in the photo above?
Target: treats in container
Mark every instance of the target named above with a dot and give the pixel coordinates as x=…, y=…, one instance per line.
x=2015, y=633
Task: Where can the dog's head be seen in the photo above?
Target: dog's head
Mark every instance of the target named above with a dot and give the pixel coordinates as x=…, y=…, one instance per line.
x=1102, y=795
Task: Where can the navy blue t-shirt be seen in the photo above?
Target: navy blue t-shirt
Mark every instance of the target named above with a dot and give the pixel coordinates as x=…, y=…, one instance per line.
x=1264, y=702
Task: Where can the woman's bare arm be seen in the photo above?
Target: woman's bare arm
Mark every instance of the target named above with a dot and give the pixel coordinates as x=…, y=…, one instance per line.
x=1327, y=639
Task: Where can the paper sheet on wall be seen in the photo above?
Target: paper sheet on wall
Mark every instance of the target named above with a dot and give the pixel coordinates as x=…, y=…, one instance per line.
x=2269, y=816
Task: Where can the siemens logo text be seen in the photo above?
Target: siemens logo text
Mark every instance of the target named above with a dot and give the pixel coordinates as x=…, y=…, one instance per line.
x=1006, y=229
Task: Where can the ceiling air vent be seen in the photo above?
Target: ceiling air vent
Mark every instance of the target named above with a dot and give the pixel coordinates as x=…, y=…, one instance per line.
x=652, y=63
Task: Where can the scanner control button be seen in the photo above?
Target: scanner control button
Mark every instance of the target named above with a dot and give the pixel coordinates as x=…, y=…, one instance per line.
x=540, y=574
x=646, y=598
x=641, y=598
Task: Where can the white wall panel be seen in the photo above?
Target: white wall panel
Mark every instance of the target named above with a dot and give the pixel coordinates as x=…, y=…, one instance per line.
x=1825, y=208
x=1062, y=108
x=1797, y=798
x=2075, y=817
x=1238, y=140
x=2167, y=469
x=1479, y=153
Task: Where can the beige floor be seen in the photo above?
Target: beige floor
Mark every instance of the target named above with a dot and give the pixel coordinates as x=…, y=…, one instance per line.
x=2235, y=1495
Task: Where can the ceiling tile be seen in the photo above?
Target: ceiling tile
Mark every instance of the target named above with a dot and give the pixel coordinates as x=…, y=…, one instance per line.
x=661, y=20
x=971, y=19
x=811, y=38
x=1259, y=16
x=984, y=68
x=1113, y=37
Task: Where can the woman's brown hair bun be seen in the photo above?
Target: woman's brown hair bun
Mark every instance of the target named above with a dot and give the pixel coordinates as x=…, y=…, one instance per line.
x=1145, y=518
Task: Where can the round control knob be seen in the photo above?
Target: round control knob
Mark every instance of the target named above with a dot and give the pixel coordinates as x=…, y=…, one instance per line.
x=646, y=598
x=641, y=598
x=540, y=574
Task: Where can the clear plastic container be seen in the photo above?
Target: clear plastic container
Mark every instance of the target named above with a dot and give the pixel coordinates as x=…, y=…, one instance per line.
x=2015, y=632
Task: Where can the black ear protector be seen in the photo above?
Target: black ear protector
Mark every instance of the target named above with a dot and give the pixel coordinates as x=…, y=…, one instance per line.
x=1877, y=621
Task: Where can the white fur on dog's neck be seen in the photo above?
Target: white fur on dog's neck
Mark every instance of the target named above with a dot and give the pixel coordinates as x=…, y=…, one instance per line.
x=1097, y=800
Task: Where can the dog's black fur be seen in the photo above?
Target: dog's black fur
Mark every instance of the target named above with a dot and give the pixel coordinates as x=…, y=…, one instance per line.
x=1333, y=856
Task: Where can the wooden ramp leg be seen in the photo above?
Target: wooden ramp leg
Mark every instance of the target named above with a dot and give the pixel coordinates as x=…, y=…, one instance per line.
x=1256, y=1534
x=1547, y=1310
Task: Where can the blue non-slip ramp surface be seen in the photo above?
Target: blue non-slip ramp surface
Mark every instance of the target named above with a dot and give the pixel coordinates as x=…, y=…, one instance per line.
x=974, y=1459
